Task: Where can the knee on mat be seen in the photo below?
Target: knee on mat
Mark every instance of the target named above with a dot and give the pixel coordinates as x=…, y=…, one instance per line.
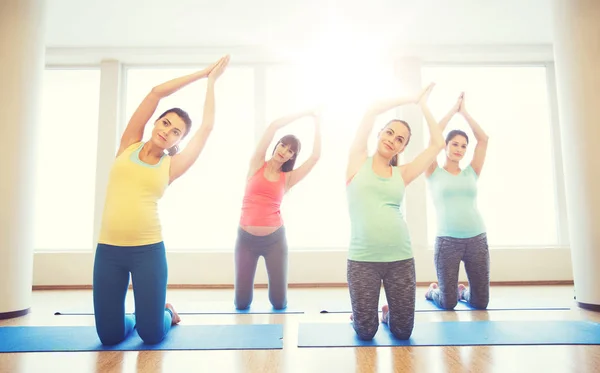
x=449, y=305
x=279, y=304
x=242, y=305
x=480, y=304
x=151, y=337
x=448, y=302
x=402, y=334
x=110, y=339
x=366, y=334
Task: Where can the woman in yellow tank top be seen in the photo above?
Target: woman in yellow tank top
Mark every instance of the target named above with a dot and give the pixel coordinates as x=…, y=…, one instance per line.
x=130, y=236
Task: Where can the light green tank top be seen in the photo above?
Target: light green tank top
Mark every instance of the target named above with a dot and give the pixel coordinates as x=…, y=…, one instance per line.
x=455, y=201
x=379, y=232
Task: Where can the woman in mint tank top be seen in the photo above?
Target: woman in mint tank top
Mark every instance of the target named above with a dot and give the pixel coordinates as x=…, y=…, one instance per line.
x=380, y=248
x=461, y=233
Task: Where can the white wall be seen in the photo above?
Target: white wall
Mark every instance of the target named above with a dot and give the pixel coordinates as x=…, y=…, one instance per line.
x=284, y=24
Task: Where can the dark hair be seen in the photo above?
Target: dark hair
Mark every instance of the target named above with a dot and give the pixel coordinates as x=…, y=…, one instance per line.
x=294, y=144
x=394, y=160
x=188, y=125
x=452, y=134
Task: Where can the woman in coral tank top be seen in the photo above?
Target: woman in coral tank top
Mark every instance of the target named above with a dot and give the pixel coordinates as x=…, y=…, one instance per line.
x=261, y=231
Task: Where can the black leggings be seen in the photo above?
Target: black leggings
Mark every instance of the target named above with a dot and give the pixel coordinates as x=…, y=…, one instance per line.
x=399, y=283
x=248, y=249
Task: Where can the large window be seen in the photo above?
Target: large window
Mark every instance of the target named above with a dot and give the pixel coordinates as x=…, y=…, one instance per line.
x=315, y=211
x=65, y=145
x=201, y=209
x=517, y=185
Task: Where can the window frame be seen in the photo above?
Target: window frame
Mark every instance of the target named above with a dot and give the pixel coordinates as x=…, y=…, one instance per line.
x=306, y=266
x=76, y=66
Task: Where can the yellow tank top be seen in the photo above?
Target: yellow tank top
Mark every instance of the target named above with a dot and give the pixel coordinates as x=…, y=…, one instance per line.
x=130, y=216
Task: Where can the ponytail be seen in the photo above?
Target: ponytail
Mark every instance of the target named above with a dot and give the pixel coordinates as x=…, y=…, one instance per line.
x=394, y=160
x=173, y=150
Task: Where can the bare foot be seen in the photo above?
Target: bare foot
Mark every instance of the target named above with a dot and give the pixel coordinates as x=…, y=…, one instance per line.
x=176, y=319
x=432, y=286
x=461, y=291
x=385, y=311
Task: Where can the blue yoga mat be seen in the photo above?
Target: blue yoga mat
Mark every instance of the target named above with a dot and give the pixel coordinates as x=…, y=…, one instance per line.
x=456, y=333
x=181, y=337
x=495, y=304
x=200, y=308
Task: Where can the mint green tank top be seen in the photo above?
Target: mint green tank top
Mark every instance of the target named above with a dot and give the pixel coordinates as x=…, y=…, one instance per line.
x=379, y=232
x=455, y=201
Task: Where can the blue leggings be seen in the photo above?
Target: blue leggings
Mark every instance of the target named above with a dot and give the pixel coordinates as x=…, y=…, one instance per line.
x=148, y=267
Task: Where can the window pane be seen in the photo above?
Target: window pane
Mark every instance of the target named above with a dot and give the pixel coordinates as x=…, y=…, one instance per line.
x=517, y=185
x=201, y=209
x=315, y=211
x=66, y=160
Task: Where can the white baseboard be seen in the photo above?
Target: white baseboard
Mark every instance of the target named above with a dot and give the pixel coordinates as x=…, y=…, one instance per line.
x=305, y=267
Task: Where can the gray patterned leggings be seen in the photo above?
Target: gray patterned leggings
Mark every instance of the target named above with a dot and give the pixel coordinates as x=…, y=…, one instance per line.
x=399, y=283
x=474, y=252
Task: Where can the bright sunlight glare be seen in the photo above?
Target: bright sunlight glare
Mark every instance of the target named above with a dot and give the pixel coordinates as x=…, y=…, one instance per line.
x=342, y=73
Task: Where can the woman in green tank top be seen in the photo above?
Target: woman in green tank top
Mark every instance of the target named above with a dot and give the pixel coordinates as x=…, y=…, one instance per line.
x=380, y=248
x=461, y=232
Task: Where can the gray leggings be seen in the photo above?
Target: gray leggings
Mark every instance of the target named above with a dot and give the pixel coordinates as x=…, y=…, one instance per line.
x=248, y=249
x=474, y=252
x=399, y=283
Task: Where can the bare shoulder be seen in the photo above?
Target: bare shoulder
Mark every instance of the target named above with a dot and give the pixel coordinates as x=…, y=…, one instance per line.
x=355, y=161
x=253, y=169
x=126, y=147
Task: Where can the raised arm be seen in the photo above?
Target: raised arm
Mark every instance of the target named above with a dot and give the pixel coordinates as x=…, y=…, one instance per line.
x=443, y=124
x=300, y=173
x=181, y=162
x=135, y=128
x=480, y=136
x=258, y=158
x=358, y=148
x=421, y=163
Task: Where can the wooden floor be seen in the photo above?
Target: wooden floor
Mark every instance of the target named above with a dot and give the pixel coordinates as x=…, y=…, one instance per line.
x=293, y=359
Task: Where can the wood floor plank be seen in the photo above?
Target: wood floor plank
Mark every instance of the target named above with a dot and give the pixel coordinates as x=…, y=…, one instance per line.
x=480, y=359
